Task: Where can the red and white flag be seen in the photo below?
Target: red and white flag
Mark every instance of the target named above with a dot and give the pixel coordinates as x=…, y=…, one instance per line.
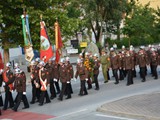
x=1, y=62
x=45, y=49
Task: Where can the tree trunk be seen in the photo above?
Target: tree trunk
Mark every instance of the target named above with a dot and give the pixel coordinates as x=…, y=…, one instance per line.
x=6, y=56
x=118, y=32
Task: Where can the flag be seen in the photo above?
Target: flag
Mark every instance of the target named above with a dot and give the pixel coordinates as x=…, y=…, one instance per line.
x=27, y=38
x=58, y=41
x=46, y=49
x=1, y=62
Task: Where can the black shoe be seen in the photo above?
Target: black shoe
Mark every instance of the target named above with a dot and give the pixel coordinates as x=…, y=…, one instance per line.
x=48, y=102
x=40, y=104
x=96, y=88
x=14, y=110
x=106, y=81
x=85, y=93
x=4, y=108
x=52, y=97
x=116, y=83
x=25, y=107
x=68, y=97
x=32, y=102
x=143, y=80
x=156, y=78
x=60, y=99
x=80, y=94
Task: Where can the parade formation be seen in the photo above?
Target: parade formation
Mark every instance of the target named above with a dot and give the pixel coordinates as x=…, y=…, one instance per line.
x=48, y=75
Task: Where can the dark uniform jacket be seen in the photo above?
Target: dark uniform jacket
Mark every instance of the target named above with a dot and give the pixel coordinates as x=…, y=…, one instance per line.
x=114, y=62
x=142, y=59
x=49, y=68
x=20, y=83
x=81, y=72
x=63, y=73
x=56, y=71
x=70, y=70
x=128, y=62
x=96, y=67
x=154, y=59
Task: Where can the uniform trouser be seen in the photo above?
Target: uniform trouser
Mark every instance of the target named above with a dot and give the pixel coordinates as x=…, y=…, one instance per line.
x=69, y=86
x=108, y=74
x=143, y=73
x=52, y=89
x=134, y=72
x=89, y=82
x=130, y=77
x=44, y=94
x=154, y=68
x=124, y=73
x=104, y=69
x=63, y=89
x=35, y=92
x=20, y=97
x=115, y=74
x=57, y=86
x=121, y=75
x=83, y=89
x=8, y=98
x=96, y=81
x=151, y=67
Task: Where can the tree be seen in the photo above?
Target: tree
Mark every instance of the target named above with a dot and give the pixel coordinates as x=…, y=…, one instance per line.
x=11, y=26
x=139, y=25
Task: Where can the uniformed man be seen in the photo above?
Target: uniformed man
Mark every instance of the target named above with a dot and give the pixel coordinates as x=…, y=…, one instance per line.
x=70, y=72
x=20, y=87
x=64, y=78
x=104, y=60
x=96, y=70
x=44, y=81
x=121, y=75
x=142, y=61
x=154, y=62
x=1, y=80
x=128, y=65
x=49, y=68
x=56, y=74
x=88, y=65
x=35, y=82
x=8, y=79
x=82, y=72
x=115, y=65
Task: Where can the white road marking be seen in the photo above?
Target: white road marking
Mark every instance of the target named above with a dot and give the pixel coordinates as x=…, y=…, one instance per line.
x=120, y=118
x=68, y=114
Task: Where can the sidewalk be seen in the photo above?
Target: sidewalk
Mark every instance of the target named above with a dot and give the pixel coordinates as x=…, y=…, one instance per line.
x=140, y=107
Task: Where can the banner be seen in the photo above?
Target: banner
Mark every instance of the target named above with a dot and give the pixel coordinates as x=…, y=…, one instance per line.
x=27, y=38
x=46, y=49
x=58, y=41
x=1, y=62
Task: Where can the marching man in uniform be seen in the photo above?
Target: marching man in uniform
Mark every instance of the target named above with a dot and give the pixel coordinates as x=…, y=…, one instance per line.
x=20, y=86
x=8, y=79
x=44, y=81
x=83, y=75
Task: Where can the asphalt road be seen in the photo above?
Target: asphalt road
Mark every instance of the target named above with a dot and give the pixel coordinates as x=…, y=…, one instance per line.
x=84, y=107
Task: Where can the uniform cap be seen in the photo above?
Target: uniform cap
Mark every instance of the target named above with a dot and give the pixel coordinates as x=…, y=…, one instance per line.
x=8, y=64
x=95, y=55
x=111, y=49
x=16, y=65
x=149, y=45
x=38, y=59
x=67, y=58
x=123, y=47
x=79, y=61
x=54, y=58
x=62, y=60
x=80, y=54
x=152, y=49
x=1, y=71
x=86, y=53
x=17, y=71
x=32, y=62
x=41, y=63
